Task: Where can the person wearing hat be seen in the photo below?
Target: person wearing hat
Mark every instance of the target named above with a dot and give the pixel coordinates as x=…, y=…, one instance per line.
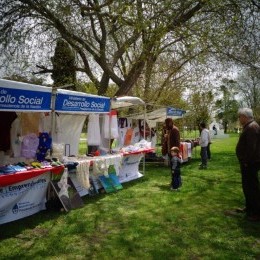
x=176, y=162
x=248, y=154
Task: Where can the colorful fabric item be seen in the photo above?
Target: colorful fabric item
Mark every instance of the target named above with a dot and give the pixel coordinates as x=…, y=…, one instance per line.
x=6, y=119
x=100, y=167
x=29, y=146
x=128, y=136
x=45, y=142
x=110, y=125
x=83, y=173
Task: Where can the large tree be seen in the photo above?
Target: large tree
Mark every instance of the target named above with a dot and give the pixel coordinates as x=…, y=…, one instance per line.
x=248, y=85
x=200, y=107
x=120, y=41
x=227, y=104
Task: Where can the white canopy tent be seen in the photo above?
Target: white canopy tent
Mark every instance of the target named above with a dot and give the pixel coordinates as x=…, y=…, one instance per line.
x=23, y=97
x=160, y=114
x=128, y=101
x=73, y=108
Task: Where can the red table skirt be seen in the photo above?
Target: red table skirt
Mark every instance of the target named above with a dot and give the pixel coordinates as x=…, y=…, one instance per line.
x=9, y=179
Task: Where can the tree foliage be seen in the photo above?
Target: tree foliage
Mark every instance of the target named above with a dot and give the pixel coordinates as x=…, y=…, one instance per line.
x=122, y=41
x=63, y=62
x=227, y=105
x=201, y=105
x=248, y=85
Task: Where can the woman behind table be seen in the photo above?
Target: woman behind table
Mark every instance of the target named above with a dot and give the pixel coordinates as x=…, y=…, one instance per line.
x=171, y=137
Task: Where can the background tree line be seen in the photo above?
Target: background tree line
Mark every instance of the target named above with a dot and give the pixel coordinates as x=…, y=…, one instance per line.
x=157, y=50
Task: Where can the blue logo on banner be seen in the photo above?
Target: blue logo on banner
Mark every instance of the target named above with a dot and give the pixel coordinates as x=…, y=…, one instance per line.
x=73, y=103
x=21, y=99
x=15, y=209
x=171, y=111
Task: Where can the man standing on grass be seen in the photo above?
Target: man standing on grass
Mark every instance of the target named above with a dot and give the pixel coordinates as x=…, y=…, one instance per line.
x=248, y=154
x=204, y=142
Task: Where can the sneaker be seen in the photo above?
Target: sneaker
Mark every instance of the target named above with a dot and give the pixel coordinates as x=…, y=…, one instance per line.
x=203, y=167
x=174, y=189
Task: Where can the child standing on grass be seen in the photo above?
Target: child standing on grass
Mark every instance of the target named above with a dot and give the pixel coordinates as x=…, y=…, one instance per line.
x=176, y=162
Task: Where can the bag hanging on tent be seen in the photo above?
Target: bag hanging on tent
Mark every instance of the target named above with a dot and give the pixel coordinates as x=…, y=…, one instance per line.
x=128, y=136
x=110, y=125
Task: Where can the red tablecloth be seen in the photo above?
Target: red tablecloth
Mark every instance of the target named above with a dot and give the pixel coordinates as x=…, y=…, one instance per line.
x=151, y=150
x=9, y=179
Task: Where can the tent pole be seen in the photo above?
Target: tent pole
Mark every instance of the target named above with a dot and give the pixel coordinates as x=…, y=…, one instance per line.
x=110, y=121
x=53, y=97
x=144, y=137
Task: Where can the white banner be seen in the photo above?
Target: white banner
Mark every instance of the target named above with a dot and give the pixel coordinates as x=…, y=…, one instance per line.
x=24, y=198
x=81, y=190
x=130, y=168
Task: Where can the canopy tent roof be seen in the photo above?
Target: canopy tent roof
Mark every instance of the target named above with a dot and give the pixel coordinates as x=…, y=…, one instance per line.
x=68, y=101
x=126, y=101
x=160, y=114
x=24, y=97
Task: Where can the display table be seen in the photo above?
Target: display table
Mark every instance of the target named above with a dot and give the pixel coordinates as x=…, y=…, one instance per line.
x=130, y=165
x=24, y=193
x=127, y=171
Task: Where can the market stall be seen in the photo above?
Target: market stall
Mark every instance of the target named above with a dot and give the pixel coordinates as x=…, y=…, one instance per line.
x=41, y=117
x=73, y=108
x=124, y=159
x=159, y=115
x=134, y=146
x=23, y=180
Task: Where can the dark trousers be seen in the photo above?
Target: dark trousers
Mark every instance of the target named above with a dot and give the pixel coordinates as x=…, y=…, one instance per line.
x=209, y=152
x=204, y=155
x=251, y=188
x=176, y=179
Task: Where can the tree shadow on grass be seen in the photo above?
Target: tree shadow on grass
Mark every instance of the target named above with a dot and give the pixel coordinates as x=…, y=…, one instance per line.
x=251, y=229
x=164, y=187
x=14, y=228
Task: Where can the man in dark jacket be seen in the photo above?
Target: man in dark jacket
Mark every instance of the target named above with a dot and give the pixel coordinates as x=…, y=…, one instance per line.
x=171, y=137
x=248, y=154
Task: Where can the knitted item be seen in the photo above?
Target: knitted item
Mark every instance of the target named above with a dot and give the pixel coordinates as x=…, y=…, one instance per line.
x=44, y=145
x=29, y=146
x=100, y=167
x=83, y=173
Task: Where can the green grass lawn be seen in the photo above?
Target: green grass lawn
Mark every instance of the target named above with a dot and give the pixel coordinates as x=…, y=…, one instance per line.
x=146, y=220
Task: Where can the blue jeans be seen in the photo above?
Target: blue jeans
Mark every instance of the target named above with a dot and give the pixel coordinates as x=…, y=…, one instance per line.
x=204, y=156
x=176, y=179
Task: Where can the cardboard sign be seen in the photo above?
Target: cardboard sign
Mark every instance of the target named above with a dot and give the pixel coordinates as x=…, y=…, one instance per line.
x=110, y=183
x=73, y=200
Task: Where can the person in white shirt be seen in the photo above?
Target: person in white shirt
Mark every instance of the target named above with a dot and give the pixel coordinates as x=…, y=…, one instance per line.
x=204, y=141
